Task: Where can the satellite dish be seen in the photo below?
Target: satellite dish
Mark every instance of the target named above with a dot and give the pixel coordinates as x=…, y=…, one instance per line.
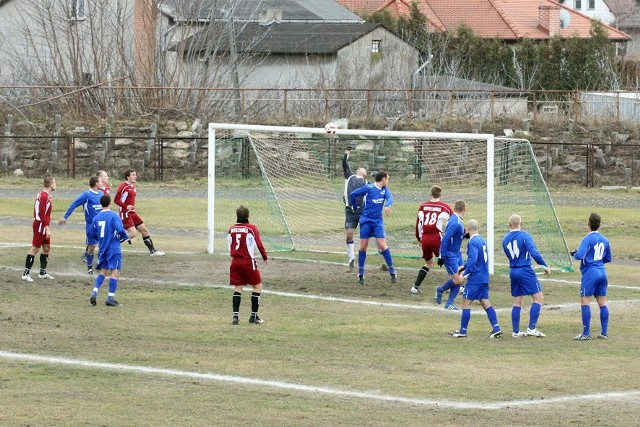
x=565, y=18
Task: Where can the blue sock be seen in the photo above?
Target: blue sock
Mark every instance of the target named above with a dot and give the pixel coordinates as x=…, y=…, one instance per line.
x=586, y=320
x=604, y=319
x=515, y=318
x=493, y=318
x=464, y=321
x=89, y=260
x=97, y=284
x=362, y=257
x=534, y=314
x=446, y=286
x=387, y=258
x=113, y=285
x=453, y=293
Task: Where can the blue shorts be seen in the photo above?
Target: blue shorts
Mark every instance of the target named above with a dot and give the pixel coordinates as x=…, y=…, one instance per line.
x=524, y=282
x=453, y=263
x=594, y=283
x=90, y=240
x=372, y=229
x=351, y=219
x=109, y=261
x=476, y=291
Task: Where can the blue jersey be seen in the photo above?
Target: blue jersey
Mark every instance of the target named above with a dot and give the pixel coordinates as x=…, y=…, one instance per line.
x=594, y=251
x=108, y=230
x=518, y=246
x=476, y=270
x=452, y=238
x=373, y=202
x=90, y=202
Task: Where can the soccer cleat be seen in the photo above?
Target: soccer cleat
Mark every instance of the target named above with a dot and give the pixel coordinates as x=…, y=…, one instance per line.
x=361, y=279
x=157, y=253
x=457, y=334
x=394, y=278
x=414, y=290
x=352, y=264
x=452, y=307
x=495, y=334
x=603, y=337
x=254, y=318
x=112, y=303
x=534, y=333
x=83, y=257
x=27, y=278
x=518, y=334
x=92, y=300
x=583, y=337
x=46, y=276
x=438, y=296
x=89, y=270
x=236, y=319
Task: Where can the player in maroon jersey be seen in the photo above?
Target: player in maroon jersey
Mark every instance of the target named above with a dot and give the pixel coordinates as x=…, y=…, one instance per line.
x=125, y=198
x=41, y=232
x=431, y=215
x=104, y=181
x=243, y=238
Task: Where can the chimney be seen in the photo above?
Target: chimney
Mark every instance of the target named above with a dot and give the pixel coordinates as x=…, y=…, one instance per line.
x=144, y=41
x=549, y=19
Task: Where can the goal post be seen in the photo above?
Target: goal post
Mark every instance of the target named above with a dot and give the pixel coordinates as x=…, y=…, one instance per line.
x=292, y=181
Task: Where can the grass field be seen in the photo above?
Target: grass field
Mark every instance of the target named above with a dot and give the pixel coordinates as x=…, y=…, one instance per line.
x=330, y=352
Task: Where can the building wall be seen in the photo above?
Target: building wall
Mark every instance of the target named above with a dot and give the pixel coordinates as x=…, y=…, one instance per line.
x=600, y=12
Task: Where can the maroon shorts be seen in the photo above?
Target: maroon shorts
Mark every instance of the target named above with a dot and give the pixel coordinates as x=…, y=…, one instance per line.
x=39, y=238
x=431, y=245
x=130, y=219
x=244, y=271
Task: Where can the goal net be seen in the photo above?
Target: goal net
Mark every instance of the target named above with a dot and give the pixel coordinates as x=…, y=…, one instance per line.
x=291, y=179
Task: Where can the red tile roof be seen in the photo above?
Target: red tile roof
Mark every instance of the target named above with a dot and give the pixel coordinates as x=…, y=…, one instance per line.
x=505, y=19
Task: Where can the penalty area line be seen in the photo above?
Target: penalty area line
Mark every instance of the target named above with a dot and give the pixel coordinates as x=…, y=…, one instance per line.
x=445, y=404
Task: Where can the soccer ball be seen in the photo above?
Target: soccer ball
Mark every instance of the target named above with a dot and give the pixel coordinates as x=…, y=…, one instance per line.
x=330, y=127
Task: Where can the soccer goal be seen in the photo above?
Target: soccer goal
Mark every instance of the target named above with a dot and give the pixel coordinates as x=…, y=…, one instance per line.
x=292, y=181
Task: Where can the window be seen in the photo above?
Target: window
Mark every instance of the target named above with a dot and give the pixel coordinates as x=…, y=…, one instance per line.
x=591, y=5
x=376, y=46
x=77, y=9
x=578, y=4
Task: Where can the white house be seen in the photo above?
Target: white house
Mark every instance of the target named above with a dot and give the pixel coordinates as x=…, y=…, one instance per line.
x=594, y=9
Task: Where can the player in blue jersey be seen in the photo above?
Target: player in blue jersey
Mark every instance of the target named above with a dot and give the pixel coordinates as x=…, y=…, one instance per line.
x=90, y=202
x=476, y=271
x=519, y=248
x=377, y=198
x=451, y=257
x=108, y=230
x=593, y=253
x=352, y=181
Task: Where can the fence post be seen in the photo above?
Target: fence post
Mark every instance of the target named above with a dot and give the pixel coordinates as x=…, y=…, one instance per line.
x=54, y=144
x=5, y=143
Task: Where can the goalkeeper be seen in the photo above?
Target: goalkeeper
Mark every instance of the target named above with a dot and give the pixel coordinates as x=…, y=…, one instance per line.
x=352, y=181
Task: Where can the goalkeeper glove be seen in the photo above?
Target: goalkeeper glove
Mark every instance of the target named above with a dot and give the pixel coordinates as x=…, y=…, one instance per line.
x=573, y=253
x=440, y=262
x=466, y=236
x=351, y=145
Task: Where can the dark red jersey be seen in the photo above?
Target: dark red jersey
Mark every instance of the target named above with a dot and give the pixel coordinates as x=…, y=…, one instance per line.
x=243, y=239
x=42, y=211
x=431, y=215
x=125, y=196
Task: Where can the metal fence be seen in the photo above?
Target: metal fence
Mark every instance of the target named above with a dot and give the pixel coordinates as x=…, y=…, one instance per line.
x=261, y=105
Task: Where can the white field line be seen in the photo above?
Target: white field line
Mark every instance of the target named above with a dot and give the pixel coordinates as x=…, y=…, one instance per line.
x=445, y=404
x=382, y=304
